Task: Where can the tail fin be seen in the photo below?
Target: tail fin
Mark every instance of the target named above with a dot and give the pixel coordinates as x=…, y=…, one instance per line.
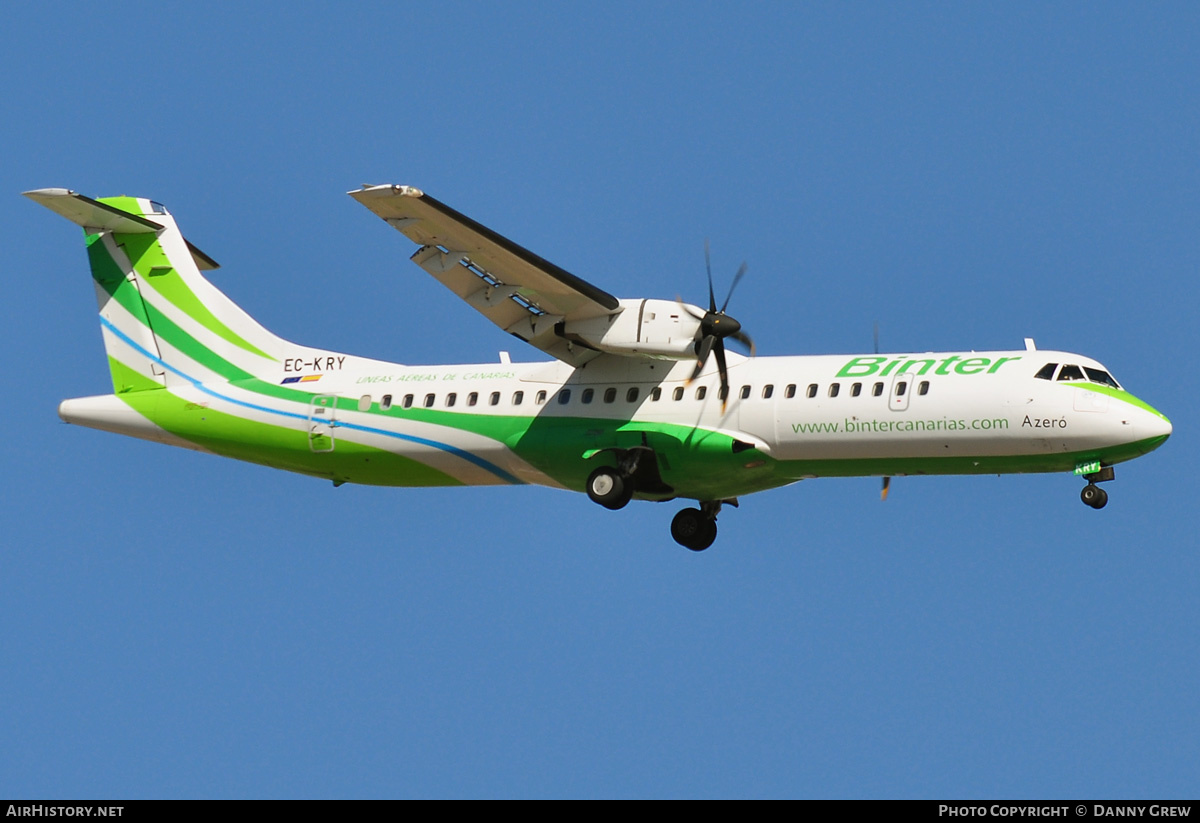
x=163, y=323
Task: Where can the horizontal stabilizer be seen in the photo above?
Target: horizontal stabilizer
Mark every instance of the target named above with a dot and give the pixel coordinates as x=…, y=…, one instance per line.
x=96, y=217
x=90, y=213
x=203, y=261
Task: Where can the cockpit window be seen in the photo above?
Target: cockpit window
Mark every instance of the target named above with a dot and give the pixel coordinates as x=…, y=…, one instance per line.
x=1046, y=372
x=1071, y=373
x=158, y=208
x=1102, y=377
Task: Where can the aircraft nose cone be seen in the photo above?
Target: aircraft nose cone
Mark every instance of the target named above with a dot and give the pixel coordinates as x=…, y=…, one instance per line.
x=1160, y=426
x=1153, y=428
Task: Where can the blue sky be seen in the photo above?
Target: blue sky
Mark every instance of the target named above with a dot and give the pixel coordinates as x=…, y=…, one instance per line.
x=964, y=175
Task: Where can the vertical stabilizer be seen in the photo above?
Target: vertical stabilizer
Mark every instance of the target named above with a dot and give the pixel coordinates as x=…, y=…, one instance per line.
x=164, y=324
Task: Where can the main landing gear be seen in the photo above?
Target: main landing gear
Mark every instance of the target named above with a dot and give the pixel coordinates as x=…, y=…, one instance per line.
x=696, y=529
x=613, y=486
x=1092, y=495
x=610, y=487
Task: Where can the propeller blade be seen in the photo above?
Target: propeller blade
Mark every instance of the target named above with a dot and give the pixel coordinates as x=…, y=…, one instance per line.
x=719, y=352
x=736, y=278
x=706, y=344
x=745, y=340
x=712, y=301
x=690, y=309
x=887, y=481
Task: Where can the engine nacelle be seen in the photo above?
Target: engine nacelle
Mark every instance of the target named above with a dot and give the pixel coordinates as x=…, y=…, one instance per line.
x=653, y=328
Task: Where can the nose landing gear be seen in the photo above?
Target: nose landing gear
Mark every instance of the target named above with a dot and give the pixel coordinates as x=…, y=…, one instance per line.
x=1092, y=495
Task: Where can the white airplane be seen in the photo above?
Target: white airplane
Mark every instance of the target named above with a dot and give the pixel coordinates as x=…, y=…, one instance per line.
x=642, y=399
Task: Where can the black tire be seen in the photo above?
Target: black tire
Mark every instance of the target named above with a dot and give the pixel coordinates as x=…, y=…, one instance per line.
x=1094, y=496
x=692, y=530
x=609, y=488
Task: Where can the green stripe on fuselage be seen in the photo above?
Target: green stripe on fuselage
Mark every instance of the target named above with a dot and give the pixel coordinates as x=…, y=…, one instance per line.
x=1119, y=394
x=279, y=446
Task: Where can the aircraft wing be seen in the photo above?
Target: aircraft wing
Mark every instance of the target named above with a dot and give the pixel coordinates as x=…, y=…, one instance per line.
x=519, y=291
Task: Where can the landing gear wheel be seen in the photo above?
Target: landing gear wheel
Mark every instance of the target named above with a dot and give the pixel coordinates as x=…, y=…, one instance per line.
x=609, y=488
x=1094, y=496
x=693, y=530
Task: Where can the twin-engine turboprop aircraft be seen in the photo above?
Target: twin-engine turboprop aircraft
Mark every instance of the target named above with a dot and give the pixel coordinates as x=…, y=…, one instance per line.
x=642, y=399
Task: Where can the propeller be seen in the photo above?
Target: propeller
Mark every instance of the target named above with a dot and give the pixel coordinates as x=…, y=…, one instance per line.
x=715, y=326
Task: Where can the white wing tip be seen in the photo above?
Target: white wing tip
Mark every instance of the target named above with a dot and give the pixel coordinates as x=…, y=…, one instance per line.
x=402, y=191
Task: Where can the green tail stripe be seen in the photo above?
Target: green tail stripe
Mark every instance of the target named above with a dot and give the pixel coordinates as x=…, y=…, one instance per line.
x=126, y=379
x=152, y=264
x=127, y=295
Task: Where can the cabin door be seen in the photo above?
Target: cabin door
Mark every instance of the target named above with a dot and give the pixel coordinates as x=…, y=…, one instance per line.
x=322, y=418
x=902, y=388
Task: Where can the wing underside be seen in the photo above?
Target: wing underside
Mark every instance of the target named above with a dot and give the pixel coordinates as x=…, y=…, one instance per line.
x=522, y=293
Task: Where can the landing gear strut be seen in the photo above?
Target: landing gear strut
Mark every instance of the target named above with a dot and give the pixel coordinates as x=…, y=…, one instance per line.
x=696, y=529
x=1092, y=495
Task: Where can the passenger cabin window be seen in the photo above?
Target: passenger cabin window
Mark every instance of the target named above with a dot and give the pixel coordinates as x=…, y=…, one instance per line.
x=745, y=392
x=834, y=388
x=364, y=403
x=564, y=397
x=386, y=402
x=678, y=393
x=451, y=399
x=812, y=389
x=540, y=398
x=494, y=399
x=768, y=390
x=1070, y=373
x=656, y=394
x=518, y=397
x=723, y=393
x=408, y=401
x=790, y=391
x=923, y=387
x=472, y=398
x=701, y=391
x=610, y=394
x=631, y=396
x=1046, y=372
x=901, y=388
x=877, y=390
x=856, y=390
x=587, y=396
x=429, y=401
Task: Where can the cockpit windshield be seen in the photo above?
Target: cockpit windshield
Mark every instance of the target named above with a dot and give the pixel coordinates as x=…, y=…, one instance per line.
x=1071, y=373
x=1102, y=377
